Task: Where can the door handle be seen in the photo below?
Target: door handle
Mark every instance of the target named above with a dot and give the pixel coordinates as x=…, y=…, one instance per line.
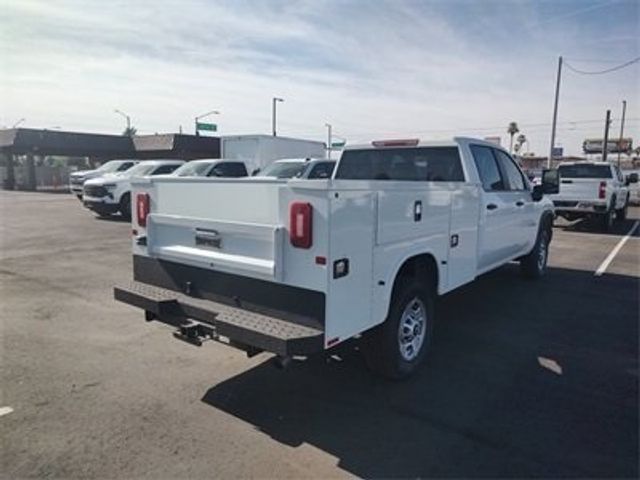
x=492, y=206
x=519, y=203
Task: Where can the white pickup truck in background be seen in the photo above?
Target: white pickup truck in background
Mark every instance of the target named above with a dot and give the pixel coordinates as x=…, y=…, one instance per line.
x=111, y=194
x=77, y=179
x=593, y=189
x=296, y=267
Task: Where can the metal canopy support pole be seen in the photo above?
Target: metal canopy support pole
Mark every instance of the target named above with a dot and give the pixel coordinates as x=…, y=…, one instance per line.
x=555, y=113
x=31, y=172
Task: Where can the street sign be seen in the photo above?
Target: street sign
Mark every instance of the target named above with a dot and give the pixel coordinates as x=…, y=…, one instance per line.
x=208, y=127
x=557, y=152
x=614, y=145
x=339, y=144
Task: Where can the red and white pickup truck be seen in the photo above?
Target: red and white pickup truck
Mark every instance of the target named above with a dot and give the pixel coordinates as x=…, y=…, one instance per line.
x=296, y=267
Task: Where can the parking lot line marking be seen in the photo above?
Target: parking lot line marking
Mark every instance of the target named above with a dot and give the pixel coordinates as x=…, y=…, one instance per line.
x=5, y=411
x=604, y=265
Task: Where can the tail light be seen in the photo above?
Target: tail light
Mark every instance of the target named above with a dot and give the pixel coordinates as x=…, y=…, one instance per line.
x=300, y=223
x=602, y=190
x=142, y=208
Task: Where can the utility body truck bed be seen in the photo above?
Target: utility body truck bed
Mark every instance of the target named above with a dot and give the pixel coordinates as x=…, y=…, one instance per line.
x=295, y=267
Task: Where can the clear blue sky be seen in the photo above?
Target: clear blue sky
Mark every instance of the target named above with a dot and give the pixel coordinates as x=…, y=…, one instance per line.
x=373, y=69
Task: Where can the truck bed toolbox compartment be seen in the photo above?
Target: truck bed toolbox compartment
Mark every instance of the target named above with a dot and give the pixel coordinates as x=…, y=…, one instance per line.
x=208, y=319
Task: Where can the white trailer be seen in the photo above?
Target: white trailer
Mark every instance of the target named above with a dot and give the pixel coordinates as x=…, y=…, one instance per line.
x=258, y=151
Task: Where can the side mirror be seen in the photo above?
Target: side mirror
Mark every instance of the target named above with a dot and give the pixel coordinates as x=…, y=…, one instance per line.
x=550, y=182
x=536, y=193
x=632, y=178
x=255, y=172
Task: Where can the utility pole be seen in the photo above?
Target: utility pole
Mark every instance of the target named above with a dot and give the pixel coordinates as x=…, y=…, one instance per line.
x=273, y=113
x=328, y=125
x=624, y=111
x=605, y=144
x=555, y=113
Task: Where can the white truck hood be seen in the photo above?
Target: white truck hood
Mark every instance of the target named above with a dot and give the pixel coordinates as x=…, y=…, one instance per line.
x=111, y=178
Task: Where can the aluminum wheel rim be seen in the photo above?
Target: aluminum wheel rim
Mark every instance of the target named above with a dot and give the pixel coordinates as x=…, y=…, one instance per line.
x=412, y=329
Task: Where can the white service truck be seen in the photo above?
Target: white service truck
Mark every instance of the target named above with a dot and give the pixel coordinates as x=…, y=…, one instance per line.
x=296, y=267
x=593, y=189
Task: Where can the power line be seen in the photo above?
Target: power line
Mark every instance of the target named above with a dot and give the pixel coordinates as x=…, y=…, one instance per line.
x=600, y=72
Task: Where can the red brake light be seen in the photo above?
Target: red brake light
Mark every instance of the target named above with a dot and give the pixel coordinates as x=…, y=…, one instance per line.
x=602, y=190
x=411, y=142
x=142, y=208
x=300, y=223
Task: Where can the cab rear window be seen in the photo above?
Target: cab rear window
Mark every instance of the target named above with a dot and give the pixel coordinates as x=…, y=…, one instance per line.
x=584, y=171
x=418, y=164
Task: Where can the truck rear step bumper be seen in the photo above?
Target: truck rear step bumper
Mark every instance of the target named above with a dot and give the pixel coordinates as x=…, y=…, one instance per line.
x=199, y=320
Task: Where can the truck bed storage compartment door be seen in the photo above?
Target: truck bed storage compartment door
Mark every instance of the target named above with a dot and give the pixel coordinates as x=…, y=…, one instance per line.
x=253, y=250
x=350, y=265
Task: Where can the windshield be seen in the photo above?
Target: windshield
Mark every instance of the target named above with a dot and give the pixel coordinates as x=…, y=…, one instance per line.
x=283, y=170
x=139, y=170
x=584, y=171
x=110, y=167
x=192, y=169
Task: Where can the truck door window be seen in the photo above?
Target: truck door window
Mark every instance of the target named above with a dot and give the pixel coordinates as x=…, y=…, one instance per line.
x=125, y=166
x=488, y=170
x=322, y=170
x=425, y=164
x=515, y=181
x=163, y=169
x=229, y=169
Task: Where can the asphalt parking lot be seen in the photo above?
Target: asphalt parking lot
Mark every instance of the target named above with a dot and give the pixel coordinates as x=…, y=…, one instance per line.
x=524, y=378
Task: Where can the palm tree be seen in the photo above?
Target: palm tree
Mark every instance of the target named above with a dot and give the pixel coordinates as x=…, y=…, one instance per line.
x=520, y=141
x=129, y=131
x=512, y=129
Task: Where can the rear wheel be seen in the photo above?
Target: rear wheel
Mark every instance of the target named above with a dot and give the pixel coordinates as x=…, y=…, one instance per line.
x=534, y=265
x=621, y=214
x=396, y=348
x=606, y=219
x=125, y=206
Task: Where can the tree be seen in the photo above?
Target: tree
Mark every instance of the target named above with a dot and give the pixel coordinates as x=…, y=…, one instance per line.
x=512, y=129
x=520, y=141
x=129, y=131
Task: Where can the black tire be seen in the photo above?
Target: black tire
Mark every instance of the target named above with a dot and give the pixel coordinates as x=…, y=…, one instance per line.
x=621, y=214
x=78, y=196
x=382, y=345
x=125, y=206
x=534, y=265
x=606, y=219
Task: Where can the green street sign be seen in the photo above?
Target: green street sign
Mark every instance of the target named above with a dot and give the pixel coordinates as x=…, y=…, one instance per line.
x=208, y=127
x=338, y=144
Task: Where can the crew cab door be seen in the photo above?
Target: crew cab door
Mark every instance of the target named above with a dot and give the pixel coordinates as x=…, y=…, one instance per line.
x=498, y=239
x=525, y=221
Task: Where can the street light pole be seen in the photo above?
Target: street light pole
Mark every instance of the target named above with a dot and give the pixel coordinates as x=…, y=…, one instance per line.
x=328, y=125
x=212, y=112
x=127, y=117
x=555, y=113
x=273, y=113
x=624, y=111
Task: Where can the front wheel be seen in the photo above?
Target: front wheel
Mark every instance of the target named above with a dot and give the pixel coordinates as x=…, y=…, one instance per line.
x=125, y=206
x=534, y=265
x=396, y=348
